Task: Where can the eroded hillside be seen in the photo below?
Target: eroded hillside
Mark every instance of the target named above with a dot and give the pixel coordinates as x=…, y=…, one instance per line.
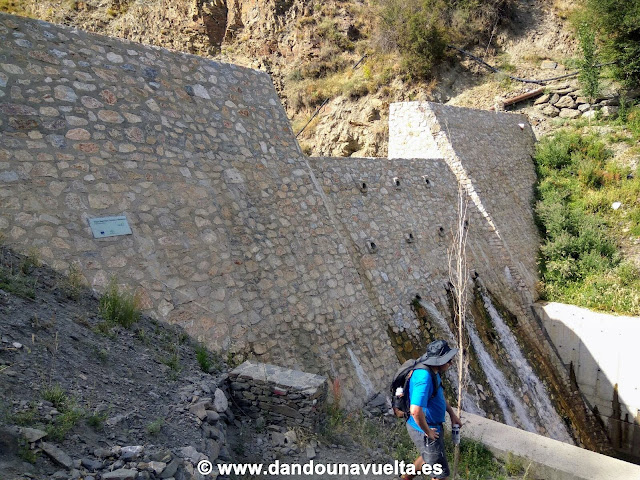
x=312, y=47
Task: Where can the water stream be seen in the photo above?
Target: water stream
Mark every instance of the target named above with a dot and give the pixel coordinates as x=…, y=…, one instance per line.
x=545, y=413
x=509, y=397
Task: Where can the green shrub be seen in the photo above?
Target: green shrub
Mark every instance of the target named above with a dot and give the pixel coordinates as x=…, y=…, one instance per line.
x=119, y=307
x=154, y=427
x=58, y=429
x=579, y=258
x=413, y=29
x=57, y=396
x=204, y=360
x=589, y=76
x=97, y=420
x=618, y=22
x=17, y=283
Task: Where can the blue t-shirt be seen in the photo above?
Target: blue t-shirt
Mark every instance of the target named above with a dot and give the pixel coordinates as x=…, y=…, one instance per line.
x=420, y=391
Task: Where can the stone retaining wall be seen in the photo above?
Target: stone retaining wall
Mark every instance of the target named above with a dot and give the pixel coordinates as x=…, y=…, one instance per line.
x=250, y=246
x=279, y=395
x=230, y=235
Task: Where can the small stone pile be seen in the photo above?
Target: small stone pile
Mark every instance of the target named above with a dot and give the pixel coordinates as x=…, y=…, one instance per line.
x=285, y=397
x=568, y=101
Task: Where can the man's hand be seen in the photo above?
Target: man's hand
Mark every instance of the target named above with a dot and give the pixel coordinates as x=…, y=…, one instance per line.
x=455, y=420
x=432, y=434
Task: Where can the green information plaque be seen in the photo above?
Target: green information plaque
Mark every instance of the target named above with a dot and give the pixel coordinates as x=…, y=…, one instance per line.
x=109, y=227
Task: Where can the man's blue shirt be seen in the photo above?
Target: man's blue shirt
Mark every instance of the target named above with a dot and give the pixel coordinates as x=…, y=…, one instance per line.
x=420, y=390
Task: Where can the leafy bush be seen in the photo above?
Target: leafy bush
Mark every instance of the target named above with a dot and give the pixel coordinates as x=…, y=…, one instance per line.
x=618, y=21
x=119, y=307
x=579, y=258
x=204, y=359
x=419, y=30
x=589, y=74
x=57, y=396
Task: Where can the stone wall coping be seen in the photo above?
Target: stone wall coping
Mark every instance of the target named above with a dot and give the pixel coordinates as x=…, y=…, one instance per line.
x=285, y=377
x=550, y=459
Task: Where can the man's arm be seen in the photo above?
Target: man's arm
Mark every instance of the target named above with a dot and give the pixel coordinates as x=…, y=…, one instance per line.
x=452, y=414
x=418, y=415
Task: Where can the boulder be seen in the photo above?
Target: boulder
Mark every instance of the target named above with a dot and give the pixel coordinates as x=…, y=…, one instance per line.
x=57, y=455
x=32, y=434
x=120, y=474
x=569, y=113
x=550, y=111
x=565, y=102
x=220, y=402
x=543, y=99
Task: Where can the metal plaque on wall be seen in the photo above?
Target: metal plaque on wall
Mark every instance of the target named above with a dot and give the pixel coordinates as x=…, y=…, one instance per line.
x=109, y=227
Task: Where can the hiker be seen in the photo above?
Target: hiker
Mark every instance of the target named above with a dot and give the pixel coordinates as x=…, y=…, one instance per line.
x=427, y=410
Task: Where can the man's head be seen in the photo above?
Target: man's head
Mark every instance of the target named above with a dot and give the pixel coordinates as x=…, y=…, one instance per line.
x=440, y=355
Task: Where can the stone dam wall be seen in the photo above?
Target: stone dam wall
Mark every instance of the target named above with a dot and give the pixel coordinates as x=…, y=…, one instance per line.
x=255, y=249
x=231, y=237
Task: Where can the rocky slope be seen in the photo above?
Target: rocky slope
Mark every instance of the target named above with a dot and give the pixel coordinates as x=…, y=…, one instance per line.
x=81, y=399
x=310, y=47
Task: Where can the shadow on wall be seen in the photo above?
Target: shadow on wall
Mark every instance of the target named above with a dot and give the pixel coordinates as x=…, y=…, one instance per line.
x=600, y=351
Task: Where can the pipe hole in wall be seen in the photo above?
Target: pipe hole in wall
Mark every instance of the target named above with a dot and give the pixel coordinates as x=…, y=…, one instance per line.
x=426, y=181
x=466, y=224
x=363, y=187
x=396, y=183
x=409, y=237
x=441, y=231
x=372, y=247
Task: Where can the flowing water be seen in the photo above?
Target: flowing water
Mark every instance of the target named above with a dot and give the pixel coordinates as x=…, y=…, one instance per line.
x=509, y=397
x=545, y=413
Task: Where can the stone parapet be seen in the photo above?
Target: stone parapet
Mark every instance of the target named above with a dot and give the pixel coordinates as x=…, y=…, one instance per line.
x=282, y=396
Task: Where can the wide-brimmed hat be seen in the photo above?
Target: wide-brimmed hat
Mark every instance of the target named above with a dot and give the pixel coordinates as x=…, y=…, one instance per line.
x=438, y=353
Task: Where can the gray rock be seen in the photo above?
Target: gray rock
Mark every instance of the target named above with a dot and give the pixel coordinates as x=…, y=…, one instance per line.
x=91, y=464
x=611, y=102
x=564, y=90
x=200, y=409
x=162, y=456
x=102, y=453
x=191, y=454
x=311, y=452
x=220, y=402
x=212, y=417
x=57, y=455
x=543, y=99
x=32, y=434
x=131, y=452
x=554, y=99
x=171, y=469
x=609, y=112
x=569, y=113
x=120, y=474
x=590, y=115
x=213, y=450
x=277, y=439
x=584, y=107
x=157, y=467
x=212, y=432
x=548, y=65
x=565, y=102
